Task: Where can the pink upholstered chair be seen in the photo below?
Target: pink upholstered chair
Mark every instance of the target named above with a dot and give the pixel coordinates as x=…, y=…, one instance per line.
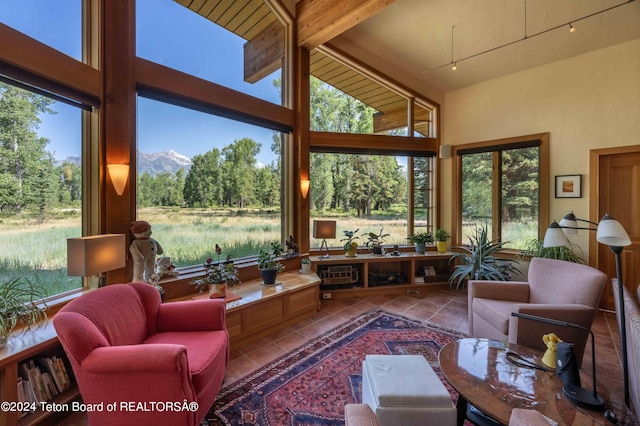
x=126, y=347
x=555, y=289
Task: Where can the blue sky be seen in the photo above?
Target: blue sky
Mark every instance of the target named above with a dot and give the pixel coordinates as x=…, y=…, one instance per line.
x=171, y=35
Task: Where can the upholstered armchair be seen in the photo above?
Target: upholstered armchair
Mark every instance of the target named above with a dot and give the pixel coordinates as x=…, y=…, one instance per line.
x=555, y=289
x=127, y=348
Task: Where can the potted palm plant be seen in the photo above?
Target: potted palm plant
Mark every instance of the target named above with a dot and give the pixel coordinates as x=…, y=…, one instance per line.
x=441, y=240
x=269, y=265
x=20, y=305
x=478, y=261
x=420, y=240
x=350, y=245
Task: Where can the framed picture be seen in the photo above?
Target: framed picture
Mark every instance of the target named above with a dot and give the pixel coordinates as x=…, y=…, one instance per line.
x=569, y=186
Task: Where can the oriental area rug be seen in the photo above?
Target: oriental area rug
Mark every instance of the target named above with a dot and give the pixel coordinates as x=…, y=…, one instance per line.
x=311, y=385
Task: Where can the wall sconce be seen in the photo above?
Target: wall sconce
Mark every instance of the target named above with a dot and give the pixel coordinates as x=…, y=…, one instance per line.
x=96, y=254
x=304, y=187
x=119, y=174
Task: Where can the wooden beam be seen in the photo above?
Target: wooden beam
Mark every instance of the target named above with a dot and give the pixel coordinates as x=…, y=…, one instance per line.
x=321, y=20
x=397, y=119
x=372, y=144
x=264, y=53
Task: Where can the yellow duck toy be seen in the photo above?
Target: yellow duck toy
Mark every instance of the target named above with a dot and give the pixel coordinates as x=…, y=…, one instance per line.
x=549, y=357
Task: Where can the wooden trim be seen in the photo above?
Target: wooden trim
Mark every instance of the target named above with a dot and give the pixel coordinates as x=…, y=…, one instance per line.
x=54, y=70
x=166, y=84
x=372, y=144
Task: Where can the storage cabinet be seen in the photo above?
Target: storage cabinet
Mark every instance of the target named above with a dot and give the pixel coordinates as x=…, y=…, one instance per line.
x=346, y=276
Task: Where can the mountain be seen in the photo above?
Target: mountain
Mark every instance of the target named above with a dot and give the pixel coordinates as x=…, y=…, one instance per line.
x=161, y=162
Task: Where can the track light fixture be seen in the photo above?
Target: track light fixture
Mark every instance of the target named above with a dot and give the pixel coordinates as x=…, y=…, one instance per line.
x=525, y=37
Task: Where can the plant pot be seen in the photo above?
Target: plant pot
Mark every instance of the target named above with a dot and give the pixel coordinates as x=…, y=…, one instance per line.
x=269, y=276
x=306, y=267
x=442, y=246
x=420, y=248
x=351, y=250
x=377, y=250
x=217, y=290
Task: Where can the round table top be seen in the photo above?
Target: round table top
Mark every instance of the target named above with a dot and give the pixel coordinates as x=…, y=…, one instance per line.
x=481, y=373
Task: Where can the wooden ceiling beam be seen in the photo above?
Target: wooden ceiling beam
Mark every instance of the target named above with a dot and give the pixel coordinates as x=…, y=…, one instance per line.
x=321, y=20
x=264, y=53
x=372, y=144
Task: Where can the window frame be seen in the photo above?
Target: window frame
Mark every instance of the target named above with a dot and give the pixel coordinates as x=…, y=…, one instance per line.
x=496, y=146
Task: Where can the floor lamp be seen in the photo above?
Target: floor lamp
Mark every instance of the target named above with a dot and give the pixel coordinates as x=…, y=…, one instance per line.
x=610, y=233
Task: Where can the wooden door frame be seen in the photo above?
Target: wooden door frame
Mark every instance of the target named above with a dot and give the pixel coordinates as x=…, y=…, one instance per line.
x=596, y=157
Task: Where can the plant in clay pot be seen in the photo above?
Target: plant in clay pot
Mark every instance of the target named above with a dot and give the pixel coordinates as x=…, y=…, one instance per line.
x=217, y=277
x=420, y=240
x=269, y=265
x=306, y=265
x=350, y=245
x=375, y=241
x=20, y=306
x=441, y=237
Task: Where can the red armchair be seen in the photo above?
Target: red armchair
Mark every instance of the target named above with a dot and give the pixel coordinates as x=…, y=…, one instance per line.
x=125, y=347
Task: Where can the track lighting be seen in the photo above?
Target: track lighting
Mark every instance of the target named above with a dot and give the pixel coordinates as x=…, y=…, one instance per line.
x=571, y=29
x=454, y=67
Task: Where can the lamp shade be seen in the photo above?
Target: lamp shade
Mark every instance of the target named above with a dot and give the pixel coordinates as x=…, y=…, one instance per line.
x=612, y=233
x=324, y=229
x=569, y=222
x=95, y=254
x=554, y=237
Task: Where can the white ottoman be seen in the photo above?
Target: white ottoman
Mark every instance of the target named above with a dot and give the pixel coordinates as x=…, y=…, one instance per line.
x=404, y=390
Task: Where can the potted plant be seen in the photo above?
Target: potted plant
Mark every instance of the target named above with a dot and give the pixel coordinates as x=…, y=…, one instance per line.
x=478, y=261
x=441, y=237
x=420, y=240
x=570, y=252
x=306, y=265
x=350, y=246
x=217, y=277
x=269, y=265
x=375, y=241
x=20, y=306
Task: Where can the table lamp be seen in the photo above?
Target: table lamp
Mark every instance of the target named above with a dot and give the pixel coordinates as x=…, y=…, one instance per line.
x=324, y=229
x=611, y=233
x=95, y=255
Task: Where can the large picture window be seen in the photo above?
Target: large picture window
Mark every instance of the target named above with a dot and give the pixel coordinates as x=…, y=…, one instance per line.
x=502, y=188
x=204, y=180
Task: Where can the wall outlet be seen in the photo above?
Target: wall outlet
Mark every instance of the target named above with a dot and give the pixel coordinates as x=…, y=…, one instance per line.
x=326, y=296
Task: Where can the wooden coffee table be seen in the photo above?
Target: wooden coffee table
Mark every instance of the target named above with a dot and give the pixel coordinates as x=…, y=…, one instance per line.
x=483, y=376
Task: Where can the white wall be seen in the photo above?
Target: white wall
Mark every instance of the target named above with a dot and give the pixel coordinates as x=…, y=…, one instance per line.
x=585, y=102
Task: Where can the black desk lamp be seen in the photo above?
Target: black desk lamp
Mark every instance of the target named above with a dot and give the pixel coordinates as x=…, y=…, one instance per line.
x=611, y=233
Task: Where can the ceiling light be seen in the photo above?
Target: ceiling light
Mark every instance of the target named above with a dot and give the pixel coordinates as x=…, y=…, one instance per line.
x=571, y=29
x=454, y=67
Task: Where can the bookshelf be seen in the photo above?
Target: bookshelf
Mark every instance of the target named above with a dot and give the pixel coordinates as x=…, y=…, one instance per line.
x=21, y=349
x=379, y=274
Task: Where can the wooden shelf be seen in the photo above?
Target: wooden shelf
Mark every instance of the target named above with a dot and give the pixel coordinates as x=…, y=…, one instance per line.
x=381, y=274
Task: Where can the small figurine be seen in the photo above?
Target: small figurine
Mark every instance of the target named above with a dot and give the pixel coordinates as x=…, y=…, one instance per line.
x=144, y=250
x=292, y=247
x=549, y=357
x=164, y=267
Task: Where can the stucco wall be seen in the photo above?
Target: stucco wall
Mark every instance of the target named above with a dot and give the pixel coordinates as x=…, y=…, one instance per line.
x=585, y=102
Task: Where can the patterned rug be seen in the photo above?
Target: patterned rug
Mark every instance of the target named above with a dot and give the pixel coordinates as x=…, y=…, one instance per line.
x=310, y=385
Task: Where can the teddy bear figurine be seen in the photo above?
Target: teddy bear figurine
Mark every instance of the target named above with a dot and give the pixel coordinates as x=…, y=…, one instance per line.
x=549, y=357
x=164, y=268
x=144, y=250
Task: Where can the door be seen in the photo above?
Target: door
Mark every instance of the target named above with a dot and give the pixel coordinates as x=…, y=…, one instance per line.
x=617, y=179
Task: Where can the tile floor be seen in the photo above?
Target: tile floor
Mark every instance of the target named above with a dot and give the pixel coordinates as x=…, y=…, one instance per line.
x=438, y=305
